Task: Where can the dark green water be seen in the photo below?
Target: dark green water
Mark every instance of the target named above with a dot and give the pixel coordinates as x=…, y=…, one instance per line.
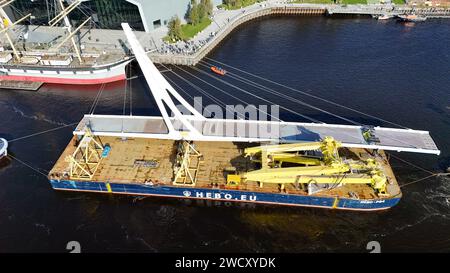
x=397, y=72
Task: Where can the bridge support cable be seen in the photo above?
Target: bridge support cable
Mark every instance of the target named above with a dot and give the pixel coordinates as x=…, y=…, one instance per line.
x=225, y=92
x=258, y=97
x=306, y=93
x=179, y=88
x=290, y=98
x=199, y=89
x=390, y=137
x=192, y=75
x=287, y=109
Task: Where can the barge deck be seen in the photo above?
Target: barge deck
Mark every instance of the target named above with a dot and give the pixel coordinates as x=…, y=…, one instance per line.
x=124, y=165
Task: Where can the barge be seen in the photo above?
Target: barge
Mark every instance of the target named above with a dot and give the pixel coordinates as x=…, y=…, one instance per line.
x=225, y=171
x=191, y=156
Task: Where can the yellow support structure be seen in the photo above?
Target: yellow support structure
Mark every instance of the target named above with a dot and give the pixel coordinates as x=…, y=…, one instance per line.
x=329, y=169
x=188, y=165
x=86, y=158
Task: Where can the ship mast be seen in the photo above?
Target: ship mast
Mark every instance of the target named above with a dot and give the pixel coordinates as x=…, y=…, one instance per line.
x=6, y=25
x=63, y=15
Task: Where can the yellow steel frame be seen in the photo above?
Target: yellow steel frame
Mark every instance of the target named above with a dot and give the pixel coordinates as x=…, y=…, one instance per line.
x=86, y=158
x=329, y=169
x=185, y=174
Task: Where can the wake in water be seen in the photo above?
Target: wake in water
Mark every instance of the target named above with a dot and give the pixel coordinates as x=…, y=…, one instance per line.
x=434, y=202
x=439, y=197
x=38, y=117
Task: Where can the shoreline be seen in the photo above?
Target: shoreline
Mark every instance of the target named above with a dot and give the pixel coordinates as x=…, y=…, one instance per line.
x=226, y=21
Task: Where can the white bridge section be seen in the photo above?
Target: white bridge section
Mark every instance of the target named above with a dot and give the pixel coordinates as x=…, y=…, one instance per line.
x=401, y=140
x=196, y=127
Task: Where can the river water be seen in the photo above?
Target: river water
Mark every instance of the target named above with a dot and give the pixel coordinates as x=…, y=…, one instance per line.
x=398, y=72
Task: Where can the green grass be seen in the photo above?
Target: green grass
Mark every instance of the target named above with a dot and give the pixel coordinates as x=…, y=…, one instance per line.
x=315, y=1
x=190, y=31
x=348, y=2
x=244, y=4
x=353, y=2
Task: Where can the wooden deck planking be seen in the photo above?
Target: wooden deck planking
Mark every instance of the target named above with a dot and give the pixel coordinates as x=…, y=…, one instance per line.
x=120, y=166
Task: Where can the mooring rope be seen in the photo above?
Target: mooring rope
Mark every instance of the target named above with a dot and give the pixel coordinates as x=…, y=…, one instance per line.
x=431, y=174
x=43, y=132
x=97, y=99
x=28, y=165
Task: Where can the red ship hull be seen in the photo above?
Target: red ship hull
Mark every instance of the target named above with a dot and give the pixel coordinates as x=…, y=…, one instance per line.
x=63, y=80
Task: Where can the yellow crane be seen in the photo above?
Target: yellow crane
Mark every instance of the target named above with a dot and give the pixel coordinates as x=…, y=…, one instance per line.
x=325, y=167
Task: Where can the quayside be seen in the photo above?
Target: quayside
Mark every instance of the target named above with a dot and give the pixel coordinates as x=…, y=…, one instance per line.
x=190, y=156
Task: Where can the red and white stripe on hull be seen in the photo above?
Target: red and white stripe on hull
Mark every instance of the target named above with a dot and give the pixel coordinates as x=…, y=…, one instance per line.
x=95, y=75
x=62, y=80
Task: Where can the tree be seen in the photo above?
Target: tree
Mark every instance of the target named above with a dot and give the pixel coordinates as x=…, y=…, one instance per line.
x=207, y=6
x=233, y=3
x=175, y=32
x=202, y=14
x=194, y=17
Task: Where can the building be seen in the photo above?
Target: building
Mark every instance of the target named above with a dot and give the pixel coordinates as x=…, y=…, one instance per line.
x=157, y=13
x=140, y=14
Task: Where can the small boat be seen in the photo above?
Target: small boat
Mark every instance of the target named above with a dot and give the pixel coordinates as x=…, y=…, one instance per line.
x=411, y=18
x=384, y=17
x=218, y=70
x=3, y=147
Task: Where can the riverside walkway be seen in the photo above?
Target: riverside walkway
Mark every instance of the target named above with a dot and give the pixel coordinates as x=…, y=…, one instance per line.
x=225, y=21
x=99, y=41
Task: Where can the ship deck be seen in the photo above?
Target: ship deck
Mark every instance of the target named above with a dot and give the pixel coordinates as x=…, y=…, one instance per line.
x=88, y=60
x=120, y=166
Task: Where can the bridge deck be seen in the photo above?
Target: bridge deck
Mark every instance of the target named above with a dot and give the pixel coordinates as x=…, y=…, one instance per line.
x=245, y=130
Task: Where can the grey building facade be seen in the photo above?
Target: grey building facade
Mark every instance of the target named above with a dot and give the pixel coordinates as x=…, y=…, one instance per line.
x=145, y=15
x=157, y=13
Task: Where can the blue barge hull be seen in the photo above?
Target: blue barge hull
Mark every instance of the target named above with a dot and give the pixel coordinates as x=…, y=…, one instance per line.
x=226, y=195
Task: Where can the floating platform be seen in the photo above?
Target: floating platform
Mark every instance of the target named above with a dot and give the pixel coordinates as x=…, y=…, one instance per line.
x=122, y=172
x=20, y=85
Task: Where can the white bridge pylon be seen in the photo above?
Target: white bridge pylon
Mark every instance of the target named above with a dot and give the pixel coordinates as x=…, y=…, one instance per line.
x=196, y=127
x=160, y=89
